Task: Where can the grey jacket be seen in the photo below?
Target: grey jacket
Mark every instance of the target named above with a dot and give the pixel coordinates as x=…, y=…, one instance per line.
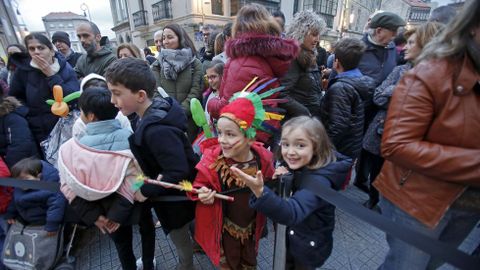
x=381, y=98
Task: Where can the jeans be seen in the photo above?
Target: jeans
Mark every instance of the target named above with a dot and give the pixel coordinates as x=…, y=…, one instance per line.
x=453, y=228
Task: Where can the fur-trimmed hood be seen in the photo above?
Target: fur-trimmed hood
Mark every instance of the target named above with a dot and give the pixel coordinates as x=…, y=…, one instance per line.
x=262, y=45
x=11, y=104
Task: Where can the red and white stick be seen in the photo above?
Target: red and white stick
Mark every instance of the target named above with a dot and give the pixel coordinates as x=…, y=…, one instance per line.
x=187, y=189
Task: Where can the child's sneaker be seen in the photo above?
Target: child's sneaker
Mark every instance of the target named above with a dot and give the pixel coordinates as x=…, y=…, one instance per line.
x=140, y=264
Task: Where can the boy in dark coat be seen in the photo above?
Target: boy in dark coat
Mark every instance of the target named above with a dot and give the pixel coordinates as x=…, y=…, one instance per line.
x=161, y=147
x=348, y=99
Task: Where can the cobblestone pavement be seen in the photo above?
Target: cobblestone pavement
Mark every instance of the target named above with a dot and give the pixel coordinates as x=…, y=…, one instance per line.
x=357, y=245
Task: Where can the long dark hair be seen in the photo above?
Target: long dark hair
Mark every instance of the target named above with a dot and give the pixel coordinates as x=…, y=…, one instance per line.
x=184, y=40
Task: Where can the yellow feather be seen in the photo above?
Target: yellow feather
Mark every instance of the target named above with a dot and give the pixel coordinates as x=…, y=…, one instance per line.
x=273, y=116
x=250, y=83
x=186, y=185
x=140, y=177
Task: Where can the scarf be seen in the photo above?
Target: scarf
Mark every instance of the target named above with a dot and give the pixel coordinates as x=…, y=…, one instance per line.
x=175, y=61
x=473, y=51
x=55, y=66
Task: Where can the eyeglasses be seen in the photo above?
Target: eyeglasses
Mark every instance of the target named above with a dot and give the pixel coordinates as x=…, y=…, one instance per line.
x=211, y=77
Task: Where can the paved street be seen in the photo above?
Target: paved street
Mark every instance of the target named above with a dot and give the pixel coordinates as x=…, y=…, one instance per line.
x=357, y=245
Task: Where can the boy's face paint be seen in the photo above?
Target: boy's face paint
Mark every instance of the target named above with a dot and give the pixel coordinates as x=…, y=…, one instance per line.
x=297, y=148
x=234, y=143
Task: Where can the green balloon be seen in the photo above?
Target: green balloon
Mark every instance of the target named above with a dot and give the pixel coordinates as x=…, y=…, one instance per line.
x=199, y=117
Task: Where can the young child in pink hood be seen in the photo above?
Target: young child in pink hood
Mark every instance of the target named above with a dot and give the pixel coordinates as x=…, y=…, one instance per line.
x=98, y=173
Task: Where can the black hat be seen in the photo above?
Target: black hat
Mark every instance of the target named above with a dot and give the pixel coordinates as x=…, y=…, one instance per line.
x=387, y=20
x=61, y=36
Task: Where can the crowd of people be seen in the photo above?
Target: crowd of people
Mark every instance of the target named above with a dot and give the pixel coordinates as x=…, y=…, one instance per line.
x=402, y=118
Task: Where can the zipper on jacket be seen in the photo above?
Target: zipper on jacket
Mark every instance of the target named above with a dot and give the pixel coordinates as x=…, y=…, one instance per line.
x=404, y=177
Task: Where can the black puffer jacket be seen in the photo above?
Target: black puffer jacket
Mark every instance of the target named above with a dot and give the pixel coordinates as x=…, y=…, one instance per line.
x=343, y=110
x=302, y=87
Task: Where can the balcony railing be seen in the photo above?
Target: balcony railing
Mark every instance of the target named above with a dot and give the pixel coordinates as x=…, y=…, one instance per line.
x=162, y=10
x=139, y=18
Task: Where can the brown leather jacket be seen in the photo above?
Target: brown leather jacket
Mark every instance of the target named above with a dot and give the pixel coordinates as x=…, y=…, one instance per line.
x=431, y=140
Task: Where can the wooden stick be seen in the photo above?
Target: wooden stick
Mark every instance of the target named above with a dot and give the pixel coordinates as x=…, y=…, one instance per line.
x=180, y=187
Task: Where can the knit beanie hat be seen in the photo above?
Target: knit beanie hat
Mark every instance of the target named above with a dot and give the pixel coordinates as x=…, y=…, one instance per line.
x=61, y=36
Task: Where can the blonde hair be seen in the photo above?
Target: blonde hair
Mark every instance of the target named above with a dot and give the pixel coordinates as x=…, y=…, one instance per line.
x=323, y=149
x=427, y=32
x=254, y=18
x=453, y=40
x=134, y=50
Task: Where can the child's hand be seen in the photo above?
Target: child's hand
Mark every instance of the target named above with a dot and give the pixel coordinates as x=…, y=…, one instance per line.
x=101, y=224
x=11, y=221
x=50, y=234
x=205, y=195
x=279, y=171
x=138, y=196
x=112, y=226
x=254, y=183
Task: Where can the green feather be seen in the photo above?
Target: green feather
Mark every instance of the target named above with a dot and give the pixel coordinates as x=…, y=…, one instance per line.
x=137, y=185
x=271, y=92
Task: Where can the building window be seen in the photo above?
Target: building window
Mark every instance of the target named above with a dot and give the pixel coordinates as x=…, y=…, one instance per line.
x=73, y=36
x=120, y=11
x=140, y=18
x=60, y=25
x=327, y=9
x=236, y=5
x=162, y=10
x=217, y=7
x=70, y=25
x=52, y=25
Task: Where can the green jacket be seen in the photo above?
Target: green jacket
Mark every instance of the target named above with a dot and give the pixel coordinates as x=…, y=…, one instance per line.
x=187, y=86
x=96, y=63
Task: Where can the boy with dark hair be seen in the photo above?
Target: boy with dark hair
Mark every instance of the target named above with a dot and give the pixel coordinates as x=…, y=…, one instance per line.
x=104, y=198
x=348, y=99
x=161, y=147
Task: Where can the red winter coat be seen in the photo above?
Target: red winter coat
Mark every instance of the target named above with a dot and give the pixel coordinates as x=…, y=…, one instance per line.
x=250, y=55
x=209, y=218
x=5, y=192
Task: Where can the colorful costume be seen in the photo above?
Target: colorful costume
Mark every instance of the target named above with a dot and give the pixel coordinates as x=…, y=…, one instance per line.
x=229, y=232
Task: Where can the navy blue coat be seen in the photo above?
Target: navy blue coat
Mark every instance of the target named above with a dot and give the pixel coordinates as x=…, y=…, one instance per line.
x=38, y=207
x=16, y=139
x=160, y=146
x=310, y=220
x=377, y=61
x=33, y=88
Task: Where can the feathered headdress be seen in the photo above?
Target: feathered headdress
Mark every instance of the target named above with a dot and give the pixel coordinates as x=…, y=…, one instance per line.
x=246, y=108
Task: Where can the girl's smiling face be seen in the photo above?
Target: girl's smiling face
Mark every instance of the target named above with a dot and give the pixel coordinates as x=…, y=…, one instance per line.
x=297, y=148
